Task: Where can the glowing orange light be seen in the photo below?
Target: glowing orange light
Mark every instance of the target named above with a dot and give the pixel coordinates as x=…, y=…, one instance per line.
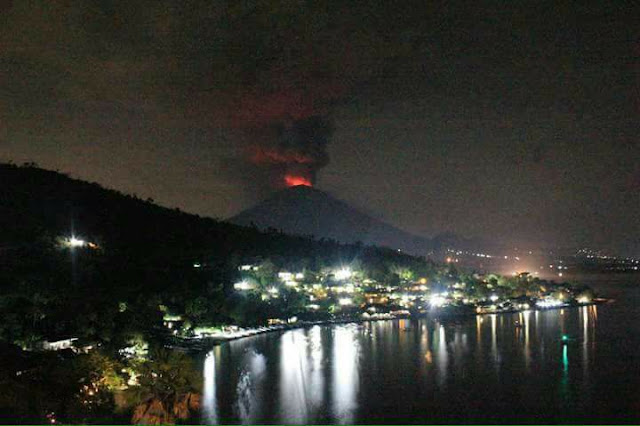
x=296, y=180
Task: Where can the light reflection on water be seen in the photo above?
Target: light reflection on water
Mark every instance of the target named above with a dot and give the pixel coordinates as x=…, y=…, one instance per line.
x=301, y=379
x=249, y=389
x=210, y=406
x=504, y=365
x=345, y=373
x=442, y=358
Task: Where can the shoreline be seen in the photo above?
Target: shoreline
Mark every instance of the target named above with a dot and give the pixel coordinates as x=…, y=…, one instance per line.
x=202, y=344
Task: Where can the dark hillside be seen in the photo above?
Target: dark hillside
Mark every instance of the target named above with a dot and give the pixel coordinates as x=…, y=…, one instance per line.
x=37, y=202
x=144, y=255
x=301, y=210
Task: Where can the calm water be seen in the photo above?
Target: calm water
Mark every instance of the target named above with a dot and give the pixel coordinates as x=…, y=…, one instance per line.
x=481, y=369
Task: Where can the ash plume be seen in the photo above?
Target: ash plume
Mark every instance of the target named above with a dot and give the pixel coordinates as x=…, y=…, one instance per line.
x=292, y=151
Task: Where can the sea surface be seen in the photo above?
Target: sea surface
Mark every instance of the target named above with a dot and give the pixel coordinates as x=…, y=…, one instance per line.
x=486, y=369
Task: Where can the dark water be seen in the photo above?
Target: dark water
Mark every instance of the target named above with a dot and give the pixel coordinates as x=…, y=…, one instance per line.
x=481, y=369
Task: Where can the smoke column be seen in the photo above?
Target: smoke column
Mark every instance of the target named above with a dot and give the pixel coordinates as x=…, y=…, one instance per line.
x=293, y=151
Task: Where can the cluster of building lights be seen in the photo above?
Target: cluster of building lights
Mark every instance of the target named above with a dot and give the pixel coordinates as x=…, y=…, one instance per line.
x=341, y=289
x=550, y=303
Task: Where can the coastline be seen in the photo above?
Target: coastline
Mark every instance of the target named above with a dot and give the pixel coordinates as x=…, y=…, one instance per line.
x=203, y=344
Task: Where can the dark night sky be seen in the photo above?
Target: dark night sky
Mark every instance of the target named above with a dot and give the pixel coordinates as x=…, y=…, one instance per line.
x=515, y=121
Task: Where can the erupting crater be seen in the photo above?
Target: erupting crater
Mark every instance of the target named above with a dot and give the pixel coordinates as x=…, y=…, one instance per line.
x=291, y=180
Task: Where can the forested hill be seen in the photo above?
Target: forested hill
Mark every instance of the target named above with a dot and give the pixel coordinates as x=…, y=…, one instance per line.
x=141, y=255
x=37, y=206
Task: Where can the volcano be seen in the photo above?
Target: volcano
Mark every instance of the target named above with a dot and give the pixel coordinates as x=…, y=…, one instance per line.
x=303, y=210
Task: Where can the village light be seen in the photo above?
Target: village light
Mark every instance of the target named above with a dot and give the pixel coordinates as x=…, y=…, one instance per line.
x=437, y=301
x=285, y=276
x=345, y=301
x=548, y=303
x=75, y=242
x=583, y=299
x=243, y=285
x=343, y=274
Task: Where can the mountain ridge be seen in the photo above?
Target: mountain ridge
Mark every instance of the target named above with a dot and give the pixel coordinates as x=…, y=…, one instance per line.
x=302, y=210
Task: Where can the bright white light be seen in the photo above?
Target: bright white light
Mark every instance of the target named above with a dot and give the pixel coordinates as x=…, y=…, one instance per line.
x=437, y=300
x=550, y=303
x=583, y=299
x=285, y=276
x=343, y=274
x=273, y=290
x=243, y=285
x=76, y=242
x=290, y=283
x=299, y=276
x=493, y=297
x=345, y=301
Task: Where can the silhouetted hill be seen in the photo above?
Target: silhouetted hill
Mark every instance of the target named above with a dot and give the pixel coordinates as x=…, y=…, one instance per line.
x=36, y=203
x=302, y=210
x=142, y=257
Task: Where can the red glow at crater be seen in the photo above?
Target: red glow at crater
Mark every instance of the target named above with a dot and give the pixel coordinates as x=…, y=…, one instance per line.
x=292, y=180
